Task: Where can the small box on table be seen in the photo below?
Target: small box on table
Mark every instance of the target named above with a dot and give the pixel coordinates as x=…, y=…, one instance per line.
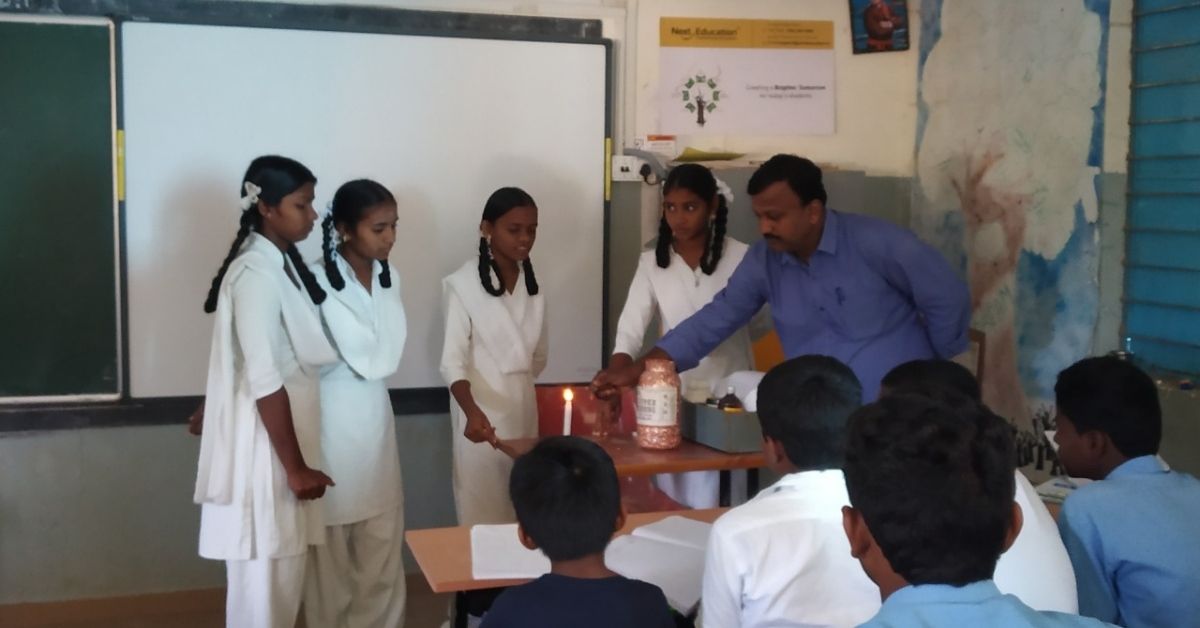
x=730, y=432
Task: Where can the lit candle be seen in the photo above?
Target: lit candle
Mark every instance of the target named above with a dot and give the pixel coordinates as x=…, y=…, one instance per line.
x=568, y=396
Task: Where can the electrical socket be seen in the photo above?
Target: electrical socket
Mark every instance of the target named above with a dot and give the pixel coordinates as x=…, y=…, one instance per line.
x=626, y=168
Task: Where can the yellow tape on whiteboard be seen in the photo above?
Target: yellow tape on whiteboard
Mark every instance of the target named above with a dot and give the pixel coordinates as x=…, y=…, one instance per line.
x=607, y=169
x=121, y=165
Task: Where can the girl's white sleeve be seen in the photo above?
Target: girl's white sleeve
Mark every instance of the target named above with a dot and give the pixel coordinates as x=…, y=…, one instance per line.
x=636, y=315
x=541, y=351
x=258, y=323
x=456, y=347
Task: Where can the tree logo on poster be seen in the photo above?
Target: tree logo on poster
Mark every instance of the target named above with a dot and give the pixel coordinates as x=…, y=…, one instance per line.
x=700, y=96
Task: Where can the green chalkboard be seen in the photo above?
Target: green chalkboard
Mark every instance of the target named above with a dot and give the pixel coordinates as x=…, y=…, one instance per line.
x=58, y=314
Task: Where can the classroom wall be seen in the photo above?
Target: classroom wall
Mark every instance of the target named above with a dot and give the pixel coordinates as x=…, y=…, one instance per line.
x=876, y=93
x=99, y=512
x=108, y=511
x=1009, y=151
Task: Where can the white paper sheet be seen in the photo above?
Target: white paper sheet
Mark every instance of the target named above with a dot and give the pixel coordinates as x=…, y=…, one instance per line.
x=497, y=553
x=677, y=530
x=676, y=569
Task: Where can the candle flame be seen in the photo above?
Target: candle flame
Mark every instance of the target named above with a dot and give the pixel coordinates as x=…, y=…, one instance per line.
x=568, y=394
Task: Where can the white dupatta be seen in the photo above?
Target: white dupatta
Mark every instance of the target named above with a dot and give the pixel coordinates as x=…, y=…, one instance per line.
x=225, y=440
x=674, y=287
x=510, y=344
x=369, y=336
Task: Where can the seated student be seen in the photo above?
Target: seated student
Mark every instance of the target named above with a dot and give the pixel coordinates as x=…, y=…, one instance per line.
x=781, y=559
x=931, y=493
x=568, y=504
x=1132, y=536
x=917, y=374
x=1036, y=568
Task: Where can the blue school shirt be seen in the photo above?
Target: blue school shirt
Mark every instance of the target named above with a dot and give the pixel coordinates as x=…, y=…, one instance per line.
x=554, y=601
x=1134, y=541
x=977, y=605
x=872, y=295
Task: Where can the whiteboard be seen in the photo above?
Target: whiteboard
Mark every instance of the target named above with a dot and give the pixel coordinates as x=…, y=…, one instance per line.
x=442, y=122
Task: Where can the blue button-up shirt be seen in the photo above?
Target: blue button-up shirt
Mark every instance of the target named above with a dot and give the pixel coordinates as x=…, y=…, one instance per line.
x=1134, y=540
x=872, y=295
x=977, y=605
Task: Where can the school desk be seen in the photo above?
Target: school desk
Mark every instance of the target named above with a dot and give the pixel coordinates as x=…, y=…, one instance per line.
x=444, y=555
x=689, y=456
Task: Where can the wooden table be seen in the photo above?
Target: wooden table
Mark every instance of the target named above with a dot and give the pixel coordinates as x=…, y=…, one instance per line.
x=444, y=555
x=688, y=456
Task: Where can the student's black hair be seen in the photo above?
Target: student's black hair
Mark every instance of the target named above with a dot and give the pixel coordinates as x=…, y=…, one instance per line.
x=804, y=404
x=350, y=202
x=919, y=375
x=934, y=481
x=278, y=177
x=700, y=181
x=802, y=175
x=499, y=203
x=566, y=496
x=1112, y=396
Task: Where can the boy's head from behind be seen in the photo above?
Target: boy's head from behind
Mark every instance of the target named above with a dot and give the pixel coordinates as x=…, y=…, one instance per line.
x=931, y=490
x=803, y=406
x=1108, y=412
x=920, y=376
x=567, y=498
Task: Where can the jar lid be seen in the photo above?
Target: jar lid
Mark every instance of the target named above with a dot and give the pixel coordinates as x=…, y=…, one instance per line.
x=659, y=364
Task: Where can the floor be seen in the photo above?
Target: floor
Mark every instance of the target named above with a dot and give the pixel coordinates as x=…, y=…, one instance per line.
x=201, y=609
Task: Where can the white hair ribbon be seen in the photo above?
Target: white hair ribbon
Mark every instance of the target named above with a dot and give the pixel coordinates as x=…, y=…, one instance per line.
x=723, y=190
x=250, y=198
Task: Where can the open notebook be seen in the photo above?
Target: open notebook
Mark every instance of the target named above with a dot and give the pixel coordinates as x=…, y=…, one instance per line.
x=497, y=554
x=668, y=553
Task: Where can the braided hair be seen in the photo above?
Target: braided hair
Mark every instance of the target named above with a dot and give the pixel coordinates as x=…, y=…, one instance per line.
x=499, y=203
x=350, y=202
x=306, y=277
x=700, y=181
x=277, y=177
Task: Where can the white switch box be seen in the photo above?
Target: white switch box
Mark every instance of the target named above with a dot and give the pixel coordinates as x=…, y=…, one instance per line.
x=626, y=168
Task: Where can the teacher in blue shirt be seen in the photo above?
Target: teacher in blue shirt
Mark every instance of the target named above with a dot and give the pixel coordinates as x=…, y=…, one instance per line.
x=849, y=286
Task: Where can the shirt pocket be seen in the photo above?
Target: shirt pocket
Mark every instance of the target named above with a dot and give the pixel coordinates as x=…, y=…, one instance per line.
x=860, y=307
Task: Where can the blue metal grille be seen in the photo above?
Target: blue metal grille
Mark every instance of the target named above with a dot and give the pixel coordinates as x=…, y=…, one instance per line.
x=1162, y=261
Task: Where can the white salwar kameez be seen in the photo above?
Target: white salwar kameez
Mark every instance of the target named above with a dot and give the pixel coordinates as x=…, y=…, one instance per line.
x=266, y=336
x=675, y=293
x=499, y=345
x=356, y=578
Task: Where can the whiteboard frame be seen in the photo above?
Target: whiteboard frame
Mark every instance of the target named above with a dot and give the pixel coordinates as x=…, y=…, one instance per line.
x=118, y=229
x=420, y=400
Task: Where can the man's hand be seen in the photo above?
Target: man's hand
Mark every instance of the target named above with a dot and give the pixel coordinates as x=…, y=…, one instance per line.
x=607, y=384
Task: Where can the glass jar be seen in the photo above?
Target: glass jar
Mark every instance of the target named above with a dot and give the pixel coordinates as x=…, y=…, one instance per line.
x=658, y=406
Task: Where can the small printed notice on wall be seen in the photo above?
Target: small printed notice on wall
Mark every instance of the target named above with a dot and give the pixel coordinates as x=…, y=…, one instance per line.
x=746, y=76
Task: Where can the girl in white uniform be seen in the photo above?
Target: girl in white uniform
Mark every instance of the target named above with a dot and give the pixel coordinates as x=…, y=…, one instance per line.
x=691, y=263
x=495, y=346
x=356, y=579
x=261, y=440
